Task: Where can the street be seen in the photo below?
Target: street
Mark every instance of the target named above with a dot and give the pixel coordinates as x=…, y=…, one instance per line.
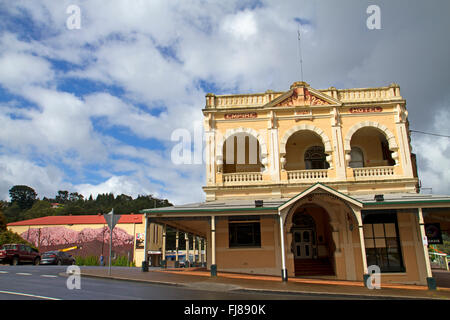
x=44, y=283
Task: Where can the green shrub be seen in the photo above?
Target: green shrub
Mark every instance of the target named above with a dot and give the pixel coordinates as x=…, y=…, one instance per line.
x=87, y=261
x=121, y=261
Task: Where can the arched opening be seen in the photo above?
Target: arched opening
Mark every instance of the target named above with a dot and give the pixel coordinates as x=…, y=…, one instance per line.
x=305, y=151
x=241, y=153
x=357, y=158
x=312, y=242
x=315, y=158
x=371, y=143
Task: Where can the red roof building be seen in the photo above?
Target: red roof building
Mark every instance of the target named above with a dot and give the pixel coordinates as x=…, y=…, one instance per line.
x=70, y=220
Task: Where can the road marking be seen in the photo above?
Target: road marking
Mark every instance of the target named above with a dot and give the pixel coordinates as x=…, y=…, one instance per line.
x=24, y=274
x=48, y=276
x=28, y=295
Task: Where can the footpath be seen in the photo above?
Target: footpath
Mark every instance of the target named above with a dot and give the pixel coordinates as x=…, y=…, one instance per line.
x=199, y=278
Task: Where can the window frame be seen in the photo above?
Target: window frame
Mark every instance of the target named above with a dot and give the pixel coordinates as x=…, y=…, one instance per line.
x=382, y=259
x=236, y=222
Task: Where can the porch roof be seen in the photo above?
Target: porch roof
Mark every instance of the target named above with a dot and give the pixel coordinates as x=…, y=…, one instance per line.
x=405, y=199
x=364, y=201
x=220, y=206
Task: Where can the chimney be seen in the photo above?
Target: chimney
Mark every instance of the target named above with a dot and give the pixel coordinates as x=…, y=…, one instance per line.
x=259, y=203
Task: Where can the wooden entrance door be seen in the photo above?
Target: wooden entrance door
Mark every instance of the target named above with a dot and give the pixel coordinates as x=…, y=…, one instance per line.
x=304, y=244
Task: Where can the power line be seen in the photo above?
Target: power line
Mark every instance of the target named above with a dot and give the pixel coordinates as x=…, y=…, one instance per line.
x=431, y=134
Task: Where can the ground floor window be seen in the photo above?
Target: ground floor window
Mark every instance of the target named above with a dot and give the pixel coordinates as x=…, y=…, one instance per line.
x=244, y=231
x=382, y=240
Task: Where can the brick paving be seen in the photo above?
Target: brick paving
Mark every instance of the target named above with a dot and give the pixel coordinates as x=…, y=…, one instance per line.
x=200, y=278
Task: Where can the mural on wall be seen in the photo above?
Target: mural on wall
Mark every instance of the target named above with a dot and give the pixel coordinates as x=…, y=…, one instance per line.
x=89, y=241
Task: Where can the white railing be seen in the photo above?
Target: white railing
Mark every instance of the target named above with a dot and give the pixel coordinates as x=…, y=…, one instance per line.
x=299, y=175
x=245, y=100
x=373, y=172
x=373, y=94
x=438, y=260
x=242, y=178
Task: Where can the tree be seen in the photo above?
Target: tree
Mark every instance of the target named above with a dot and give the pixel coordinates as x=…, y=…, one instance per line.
x=75, y=196
x=13, y=213
x=40, y=208
x=24, y=196
x=2, y=220
x=62, y=197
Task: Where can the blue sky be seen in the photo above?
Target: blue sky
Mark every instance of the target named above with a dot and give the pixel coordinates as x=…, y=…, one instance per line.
x=92, y=110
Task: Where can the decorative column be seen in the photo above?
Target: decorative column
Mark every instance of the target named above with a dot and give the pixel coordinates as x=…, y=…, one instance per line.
x=163, y=250
x=363, y=246
x=284, y=274
x=194, y=261
x=177, y=262
x=213, y=247
x=338, y=145
x=145, y=262
x=203, y=253
x=187, y=262
x=403, y=142
x=205, y=248
x=431, y=282
x=274, y=147
x=200, y=260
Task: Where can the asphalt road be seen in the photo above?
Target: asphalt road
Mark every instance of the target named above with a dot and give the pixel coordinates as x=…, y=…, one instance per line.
x=44, y=283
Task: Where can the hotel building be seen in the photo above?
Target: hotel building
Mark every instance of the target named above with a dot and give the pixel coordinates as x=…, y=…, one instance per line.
x=311, y=182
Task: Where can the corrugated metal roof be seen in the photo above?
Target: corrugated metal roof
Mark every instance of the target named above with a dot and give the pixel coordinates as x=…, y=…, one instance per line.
x=86, y=219
x=220, y=205
x=403, y=198
x=273, y=204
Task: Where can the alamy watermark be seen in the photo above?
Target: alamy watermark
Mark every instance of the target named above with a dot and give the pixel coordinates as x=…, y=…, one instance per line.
x=74, y=279
x=74, y=20
x=374, y=279
x=374, y=20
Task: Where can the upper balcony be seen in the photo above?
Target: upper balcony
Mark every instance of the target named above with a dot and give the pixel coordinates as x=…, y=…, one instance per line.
x=307, y=159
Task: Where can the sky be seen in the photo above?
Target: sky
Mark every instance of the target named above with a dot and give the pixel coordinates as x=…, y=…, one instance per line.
x=93, y=109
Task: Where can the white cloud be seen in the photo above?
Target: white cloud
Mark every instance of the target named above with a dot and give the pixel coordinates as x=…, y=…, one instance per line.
x=433, y=154
x=45, y=180
x=18, y=69
x=241, y=25
x=158, y=51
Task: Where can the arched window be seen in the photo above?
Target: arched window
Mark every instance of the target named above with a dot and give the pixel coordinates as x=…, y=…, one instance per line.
x=242, y=153
x=315, y=158
x=357, y=158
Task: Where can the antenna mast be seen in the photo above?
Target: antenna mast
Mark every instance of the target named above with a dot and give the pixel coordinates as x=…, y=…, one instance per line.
x=300, y=51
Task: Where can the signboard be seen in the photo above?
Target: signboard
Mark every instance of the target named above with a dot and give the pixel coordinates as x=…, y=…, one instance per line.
x=140, y=238
x=112, y=219
x=365, y=109
x=248, y=115
x=433, y=232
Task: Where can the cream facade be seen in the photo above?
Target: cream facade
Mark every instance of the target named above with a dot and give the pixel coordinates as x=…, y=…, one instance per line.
x=310, y=182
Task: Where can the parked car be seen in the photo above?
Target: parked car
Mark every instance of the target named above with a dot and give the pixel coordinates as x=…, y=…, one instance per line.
x=15, y=254
x=57, y=257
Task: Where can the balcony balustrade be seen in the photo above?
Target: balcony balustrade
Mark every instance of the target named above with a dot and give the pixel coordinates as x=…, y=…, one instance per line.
x=371, y=173
x=242, y=178
x=307, y=175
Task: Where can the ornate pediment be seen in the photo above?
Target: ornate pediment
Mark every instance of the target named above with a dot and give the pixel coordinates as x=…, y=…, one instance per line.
x=302, y=97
